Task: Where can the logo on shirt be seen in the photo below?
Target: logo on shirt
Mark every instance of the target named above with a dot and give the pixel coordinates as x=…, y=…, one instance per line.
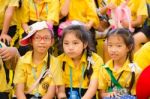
x=45, y=85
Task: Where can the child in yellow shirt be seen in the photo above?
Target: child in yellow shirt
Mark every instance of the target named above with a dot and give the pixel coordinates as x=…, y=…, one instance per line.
x=38, y=72
x=9, y=57
x=39, y=10
x=8, y=20
x=120, y=73
x=79, y=64
x=83, y=12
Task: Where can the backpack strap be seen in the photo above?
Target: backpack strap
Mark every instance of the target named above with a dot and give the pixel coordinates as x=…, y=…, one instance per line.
x=113, y=79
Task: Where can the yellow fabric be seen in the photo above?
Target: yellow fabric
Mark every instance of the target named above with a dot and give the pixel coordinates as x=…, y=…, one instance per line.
x=19, y=31
x=82, y=10
x=77, y=70
x=148, y=1
x=24, y=74
x=124, y=81
x=142, y=57
x=137, y=7
x=50, y=10
x=4, y=86
x=116, y=2
x=3, y=6
x=100, y=3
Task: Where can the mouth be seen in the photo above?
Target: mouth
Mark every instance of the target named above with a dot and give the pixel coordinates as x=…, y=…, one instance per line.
x=113, y=55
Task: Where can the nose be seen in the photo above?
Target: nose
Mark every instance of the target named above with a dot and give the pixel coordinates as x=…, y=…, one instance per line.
x=71, y=47
x=113, y=49
x=42, y=40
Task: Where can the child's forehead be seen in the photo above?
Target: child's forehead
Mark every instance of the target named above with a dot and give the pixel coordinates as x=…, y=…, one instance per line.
x=43, y=32
x=116, y=38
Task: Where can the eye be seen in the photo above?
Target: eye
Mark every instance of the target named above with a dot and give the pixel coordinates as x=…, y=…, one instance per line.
x=76, y=42
x=47, y=38
x=109, y=45
x=119, y=45
x=37, y=37
x=65, y=43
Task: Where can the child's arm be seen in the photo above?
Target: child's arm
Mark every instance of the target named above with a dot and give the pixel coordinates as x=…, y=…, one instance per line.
x=10, y=55
x=91, y=89
x=64, y=8
x=20, y=91
x=7, y=20
x=61, y=92
x=106, y=94
x=50, y=93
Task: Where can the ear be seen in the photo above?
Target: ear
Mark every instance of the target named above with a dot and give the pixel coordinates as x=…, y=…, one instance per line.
x=85, y=45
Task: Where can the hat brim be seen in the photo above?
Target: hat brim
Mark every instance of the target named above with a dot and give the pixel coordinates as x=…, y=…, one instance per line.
x=26, y=40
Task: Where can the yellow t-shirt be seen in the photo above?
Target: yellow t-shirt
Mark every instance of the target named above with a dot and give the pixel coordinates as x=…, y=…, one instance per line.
x=45, y=10
x=10, y=64
x=3, y=5
x=77, y=71
x=102, y=3
x=124, y=81
x=148, y=1
x=142, y=57
x=138, y=7
x=82, y=10
x=24, y=73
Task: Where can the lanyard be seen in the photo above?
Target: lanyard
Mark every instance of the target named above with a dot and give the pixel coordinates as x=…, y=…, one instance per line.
x=71, y=81
x=35, y=78
x=38, y=13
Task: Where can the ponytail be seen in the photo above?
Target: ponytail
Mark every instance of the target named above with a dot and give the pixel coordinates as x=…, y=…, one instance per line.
x=89, y=70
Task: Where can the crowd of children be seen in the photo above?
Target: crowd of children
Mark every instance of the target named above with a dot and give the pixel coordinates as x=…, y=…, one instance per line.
x=38, y=61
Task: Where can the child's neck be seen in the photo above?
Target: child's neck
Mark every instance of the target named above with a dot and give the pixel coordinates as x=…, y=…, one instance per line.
x=37, y=58
x=118, y=64
x=76, y=61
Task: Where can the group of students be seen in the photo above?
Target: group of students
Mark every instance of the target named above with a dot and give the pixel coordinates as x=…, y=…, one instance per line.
x=78, y=72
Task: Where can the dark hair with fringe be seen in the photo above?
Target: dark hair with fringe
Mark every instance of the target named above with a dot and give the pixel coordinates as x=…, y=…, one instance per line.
x=129, y=41
x=83, y=34
x=127, y=37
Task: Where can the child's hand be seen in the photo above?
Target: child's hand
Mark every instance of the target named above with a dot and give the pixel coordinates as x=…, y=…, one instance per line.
x=5, y=38
x=111, y=6
x=7, y=53
x=125, y=23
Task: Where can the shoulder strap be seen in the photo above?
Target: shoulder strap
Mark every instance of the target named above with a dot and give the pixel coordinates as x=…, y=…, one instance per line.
x=113, y=79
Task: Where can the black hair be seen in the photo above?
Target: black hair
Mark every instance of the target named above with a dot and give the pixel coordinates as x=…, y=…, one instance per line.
x=84, y=35
x=129, y=41
x=20, y=3
x=127, y=37
x=48, y=62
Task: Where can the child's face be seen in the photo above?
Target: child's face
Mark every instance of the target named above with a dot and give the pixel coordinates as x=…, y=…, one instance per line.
x=42, y=41
x=73, y=46
x=117, y=48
